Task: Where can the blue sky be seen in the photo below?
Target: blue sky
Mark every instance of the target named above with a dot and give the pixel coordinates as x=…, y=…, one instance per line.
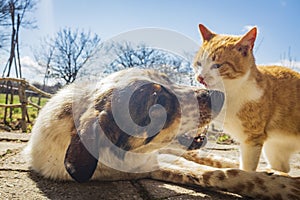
x=277, y=20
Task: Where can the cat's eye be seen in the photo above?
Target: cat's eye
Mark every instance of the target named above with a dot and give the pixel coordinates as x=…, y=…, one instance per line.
x=198, y=64
x=216, y=66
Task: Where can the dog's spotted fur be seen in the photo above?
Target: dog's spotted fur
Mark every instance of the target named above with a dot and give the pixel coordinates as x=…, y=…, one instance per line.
x=85, y=114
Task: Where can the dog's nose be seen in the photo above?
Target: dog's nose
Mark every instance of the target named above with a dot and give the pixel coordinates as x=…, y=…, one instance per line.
x=216, y=100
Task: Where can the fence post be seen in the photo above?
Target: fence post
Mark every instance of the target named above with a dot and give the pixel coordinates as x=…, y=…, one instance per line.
x=23, y=85
x=23, y=101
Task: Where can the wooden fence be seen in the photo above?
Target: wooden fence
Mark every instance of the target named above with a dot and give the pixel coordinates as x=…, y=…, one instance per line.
x=23, y=88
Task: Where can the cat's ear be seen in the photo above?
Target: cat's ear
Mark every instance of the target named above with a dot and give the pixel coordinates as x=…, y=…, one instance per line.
x=248, y=39
x=206, y=33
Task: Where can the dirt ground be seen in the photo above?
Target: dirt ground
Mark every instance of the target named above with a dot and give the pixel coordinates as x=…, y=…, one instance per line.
x=18, y=182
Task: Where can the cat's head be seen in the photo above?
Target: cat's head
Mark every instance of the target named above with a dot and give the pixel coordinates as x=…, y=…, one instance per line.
x=224, y=58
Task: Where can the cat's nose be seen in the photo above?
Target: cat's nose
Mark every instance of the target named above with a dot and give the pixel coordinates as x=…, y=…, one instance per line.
x=200, y=79
x=216, y=101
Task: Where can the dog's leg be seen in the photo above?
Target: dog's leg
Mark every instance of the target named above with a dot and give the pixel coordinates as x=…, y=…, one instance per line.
x=210, y=160
x=257, y=185
x=199, y=157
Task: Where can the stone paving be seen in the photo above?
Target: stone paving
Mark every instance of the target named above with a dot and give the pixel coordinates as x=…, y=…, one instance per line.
x=18, y=182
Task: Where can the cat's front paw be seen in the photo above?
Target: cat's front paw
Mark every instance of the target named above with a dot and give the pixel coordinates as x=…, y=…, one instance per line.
x=275, y=172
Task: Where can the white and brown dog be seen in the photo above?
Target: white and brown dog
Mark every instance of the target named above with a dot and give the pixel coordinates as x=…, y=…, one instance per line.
x=124, y=127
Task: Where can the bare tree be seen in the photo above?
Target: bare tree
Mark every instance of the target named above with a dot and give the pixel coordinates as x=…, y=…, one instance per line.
x=128, y=55
x=67, y=52
x=4, y=14
x=4, y=11
x=289, y=61
x=43, y=57
x=13, y=14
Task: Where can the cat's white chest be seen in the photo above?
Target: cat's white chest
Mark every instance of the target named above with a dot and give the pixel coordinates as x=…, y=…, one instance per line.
x=237, y=96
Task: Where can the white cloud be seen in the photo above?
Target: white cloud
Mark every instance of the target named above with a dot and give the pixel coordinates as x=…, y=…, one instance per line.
x=31, y=71
x=29, y=62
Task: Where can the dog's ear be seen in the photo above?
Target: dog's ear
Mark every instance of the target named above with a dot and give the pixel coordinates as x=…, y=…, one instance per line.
x=82, y=154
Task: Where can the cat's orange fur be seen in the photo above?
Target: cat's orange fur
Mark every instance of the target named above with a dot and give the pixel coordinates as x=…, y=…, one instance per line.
x=262, y=102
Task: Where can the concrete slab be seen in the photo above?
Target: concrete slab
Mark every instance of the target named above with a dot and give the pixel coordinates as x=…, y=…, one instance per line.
x=18, y=182
x=8, y=147
x=11, y=136
x=24, y=186
x=162, y=190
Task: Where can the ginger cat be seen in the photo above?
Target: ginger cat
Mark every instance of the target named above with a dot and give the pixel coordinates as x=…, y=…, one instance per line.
x=262, y=102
